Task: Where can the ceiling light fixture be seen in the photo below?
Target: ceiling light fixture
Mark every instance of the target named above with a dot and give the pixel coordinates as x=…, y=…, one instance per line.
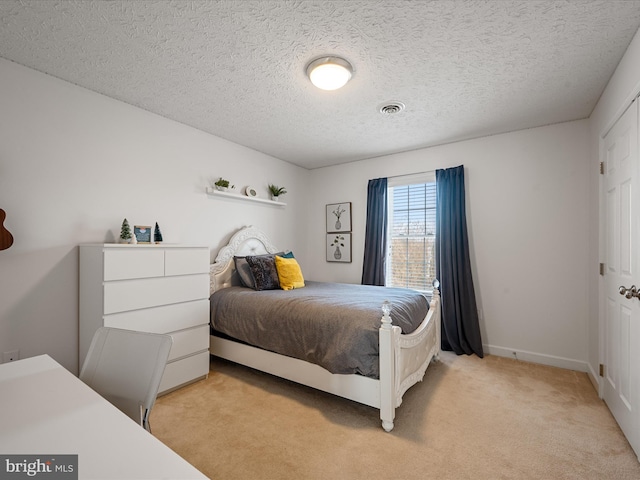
x=329, y=73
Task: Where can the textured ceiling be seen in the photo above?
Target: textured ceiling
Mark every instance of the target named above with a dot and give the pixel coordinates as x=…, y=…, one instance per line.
x=236, y=69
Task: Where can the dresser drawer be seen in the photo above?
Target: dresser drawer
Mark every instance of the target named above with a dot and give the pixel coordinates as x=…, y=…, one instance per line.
x=187, y=342
x=152, y=292
x=183, y=261
x=183, y=371
x=164, y=319
x=127, y=263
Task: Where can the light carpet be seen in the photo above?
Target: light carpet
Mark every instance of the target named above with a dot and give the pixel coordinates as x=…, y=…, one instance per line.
x=470, y=418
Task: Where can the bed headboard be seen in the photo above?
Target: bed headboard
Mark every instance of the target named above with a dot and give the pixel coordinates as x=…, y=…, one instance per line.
x=246, y=241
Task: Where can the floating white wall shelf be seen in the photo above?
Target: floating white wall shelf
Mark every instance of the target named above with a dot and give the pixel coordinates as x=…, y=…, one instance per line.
x=214, y=192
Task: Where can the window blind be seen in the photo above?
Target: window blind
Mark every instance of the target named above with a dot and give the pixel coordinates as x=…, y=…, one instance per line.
x=412, y=229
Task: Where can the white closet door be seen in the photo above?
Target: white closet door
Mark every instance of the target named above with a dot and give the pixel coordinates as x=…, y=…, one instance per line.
x=622, y=314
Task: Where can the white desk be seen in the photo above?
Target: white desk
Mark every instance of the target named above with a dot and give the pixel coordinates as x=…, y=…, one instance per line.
x=44, y=409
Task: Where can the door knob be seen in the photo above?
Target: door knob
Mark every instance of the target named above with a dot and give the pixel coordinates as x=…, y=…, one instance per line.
x=629, y=292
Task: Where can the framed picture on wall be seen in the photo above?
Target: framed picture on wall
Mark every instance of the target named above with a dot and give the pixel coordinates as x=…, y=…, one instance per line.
x=339, y=247
x=142, y=233
x=339, y=217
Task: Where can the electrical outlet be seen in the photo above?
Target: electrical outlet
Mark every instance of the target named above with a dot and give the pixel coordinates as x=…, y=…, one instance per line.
x=11, y=356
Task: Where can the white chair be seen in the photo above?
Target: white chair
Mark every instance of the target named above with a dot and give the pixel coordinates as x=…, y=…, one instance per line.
x=126, y=367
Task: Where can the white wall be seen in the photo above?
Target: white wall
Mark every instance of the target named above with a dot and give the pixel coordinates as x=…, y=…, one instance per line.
x=74, y=164
x=528, y=220
x=623, y=86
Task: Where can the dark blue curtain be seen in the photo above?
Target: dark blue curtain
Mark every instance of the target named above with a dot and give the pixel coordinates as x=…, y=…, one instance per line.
x=460, y=325
x=375, y=241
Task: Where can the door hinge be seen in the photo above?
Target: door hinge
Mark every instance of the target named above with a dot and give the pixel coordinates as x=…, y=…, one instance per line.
x=601, y=370
x=601, y=168
x=602, y=269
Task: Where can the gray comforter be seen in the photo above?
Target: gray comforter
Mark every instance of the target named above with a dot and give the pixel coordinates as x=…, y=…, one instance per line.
x=333, y=325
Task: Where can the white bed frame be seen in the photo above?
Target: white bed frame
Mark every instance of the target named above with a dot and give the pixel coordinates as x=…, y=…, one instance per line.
x=403, y=358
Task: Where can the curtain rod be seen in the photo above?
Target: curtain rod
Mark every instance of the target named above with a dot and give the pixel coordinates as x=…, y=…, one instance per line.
x=411, y=174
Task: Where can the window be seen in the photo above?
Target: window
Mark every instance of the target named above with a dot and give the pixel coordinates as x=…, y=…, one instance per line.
x=411, y=261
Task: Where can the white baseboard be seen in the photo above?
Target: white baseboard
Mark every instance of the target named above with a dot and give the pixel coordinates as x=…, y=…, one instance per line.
x=540, y=358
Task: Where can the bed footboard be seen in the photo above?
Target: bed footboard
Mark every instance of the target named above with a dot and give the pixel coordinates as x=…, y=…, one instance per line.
x=404, y=358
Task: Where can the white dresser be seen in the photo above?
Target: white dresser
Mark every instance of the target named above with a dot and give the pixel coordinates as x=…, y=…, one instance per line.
x=149, y=288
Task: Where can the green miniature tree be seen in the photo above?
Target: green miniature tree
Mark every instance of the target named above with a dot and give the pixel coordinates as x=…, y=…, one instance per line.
x=125, y=231
x=157, y=234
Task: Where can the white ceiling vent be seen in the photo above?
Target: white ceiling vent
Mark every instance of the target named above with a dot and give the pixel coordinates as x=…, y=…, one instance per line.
x=391, y=108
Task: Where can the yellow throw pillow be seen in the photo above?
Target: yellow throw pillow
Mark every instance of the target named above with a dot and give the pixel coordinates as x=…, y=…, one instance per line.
x=289, y=273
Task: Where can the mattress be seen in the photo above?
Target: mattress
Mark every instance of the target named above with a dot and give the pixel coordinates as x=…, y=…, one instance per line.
x=334, y=325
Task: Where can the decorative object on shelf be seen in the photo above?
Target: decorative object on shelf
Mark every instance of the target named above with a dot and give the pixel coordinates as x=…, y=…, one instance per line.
x=222, y=184
x=250, y=192
x=339, y=217
x=157, y=234
x=276, y=192
x=6, y=239
x=125, y=232
x=339, y=247
x=142, y=233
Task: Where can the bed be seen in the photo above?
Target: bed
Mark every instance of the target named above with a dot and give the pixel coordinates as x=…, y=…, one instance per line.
x=401, y=359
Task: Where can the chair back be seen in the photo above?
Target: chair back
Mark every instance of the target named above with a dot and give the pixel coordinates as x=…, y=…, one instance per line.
x=126, y=368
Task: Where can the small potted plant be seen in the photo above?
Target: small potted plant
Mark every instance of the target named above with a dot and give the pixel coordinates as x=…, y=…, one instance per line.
x=276, y=192
x=222, y=184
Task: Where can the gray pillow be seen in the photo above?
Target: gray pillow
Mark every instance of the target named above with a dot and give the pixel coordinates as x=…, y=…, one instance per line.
x=263, y=269
x=244, y=271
